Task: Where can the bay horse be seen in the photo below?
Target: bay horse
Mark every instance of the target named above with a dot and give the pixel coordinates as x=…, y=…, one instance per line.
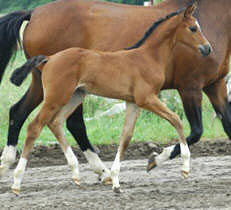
x=91, y=24
x=135, y=75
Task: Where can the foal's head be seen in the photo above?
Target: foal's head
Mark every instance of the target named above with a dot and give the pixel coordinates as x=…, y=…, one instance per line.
x=189, y=32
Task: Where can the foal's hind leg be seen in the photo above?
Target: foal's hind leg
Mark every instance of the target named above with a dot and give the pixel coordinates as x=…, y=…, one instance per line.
x=132, y=112
x=56, y=125
x=154, y=104
x=45, y=115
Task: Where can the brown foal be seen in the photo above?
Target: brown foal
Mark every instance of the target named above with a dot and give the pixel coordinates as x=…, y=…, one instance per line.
x=135, y=75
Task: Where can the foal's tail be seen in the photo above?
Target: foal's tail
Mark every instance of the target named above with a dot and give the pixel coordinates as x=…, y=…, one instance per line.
x=9, y=36
x=20, y=74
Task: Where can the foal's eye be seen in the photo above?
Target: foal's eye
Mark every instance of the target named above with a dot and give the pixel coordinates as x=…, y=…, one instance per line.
x=193, y=29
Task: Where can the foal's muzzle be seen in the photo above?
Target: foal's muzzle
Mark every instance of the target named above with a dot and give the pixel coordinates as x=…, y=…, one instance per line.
x=205, y=50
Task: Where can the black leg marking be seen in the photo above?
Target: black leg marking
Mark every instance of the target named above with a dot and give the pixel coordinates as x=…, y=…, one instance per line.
x=225, y=115
x=18, y=114
x=75, y=124
x=20, y=111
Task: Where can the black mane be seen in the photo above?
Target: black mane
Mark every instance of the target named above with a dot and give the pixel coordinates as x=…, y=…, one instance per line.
x=153, y=27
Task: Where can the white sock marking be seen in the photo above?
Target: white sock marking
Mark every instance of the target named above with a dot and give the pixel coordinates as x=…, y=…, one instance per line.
x=96, y=164
x=72, y=162
x=8, y=156
x=115, y=170
x=185, y=155
x=165, y=155
x=19, y=172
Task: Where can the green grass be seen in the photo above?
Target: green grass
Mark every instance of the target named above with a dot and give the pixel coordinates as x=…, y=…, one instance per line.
x=106, y=129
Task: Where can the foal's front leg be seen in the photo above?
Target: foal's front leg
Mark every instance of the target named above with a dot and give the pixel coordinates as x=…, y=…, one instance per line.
x=154, y=104
x=56, y=126
x=132, y=112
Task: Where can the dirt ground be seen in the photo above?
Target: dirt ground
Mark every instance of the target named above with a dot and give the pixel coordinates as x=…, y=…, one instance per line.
x=47, y=183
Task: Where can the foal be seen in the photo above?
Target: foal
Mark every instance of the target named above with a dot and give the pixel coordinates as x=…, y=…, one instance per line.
x=135, y=75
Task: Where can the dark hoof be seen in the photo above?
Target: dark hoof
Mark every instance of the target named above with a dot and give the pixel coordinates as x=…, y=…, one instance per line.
x=152, y=161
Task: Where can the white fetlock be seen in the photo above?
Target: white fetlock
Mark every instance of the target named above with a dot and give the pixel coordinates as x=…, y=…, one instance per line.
x=165, y=155
x=18, y=175
x=115, y=170
x=7, y=159
x=74, y=165
x=185, y=155
x=115, y=181
x=75, y=174
x=98, y=166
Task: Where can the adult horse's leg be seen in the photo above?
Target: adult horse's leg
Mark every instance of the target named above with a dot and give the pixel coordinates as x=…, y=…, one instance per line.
x=192, y=105
x=75, y=124
x=132, y=112
x=18, y=114
x=217, y=94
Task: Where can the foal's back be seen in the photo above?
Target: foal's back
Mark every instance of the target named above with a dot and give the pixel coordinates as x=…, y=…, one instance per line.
x=108, y=74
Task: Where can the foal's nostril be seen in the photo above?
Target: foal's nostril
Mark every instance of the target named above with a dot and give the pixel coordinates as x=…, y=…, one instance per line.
x=205, y=50
x=208, y=49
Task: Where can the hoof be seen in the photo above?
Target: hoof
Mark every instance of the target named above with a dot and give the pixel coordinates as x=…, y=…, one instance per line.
x=185, y=174
x=107, y=181
x=77, y=182
x=16, y=191
x=117, y=190
x=152, y=162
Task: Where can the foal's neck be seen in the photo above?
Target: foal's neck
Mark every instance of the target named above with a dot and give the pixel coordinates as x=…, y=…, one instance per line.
x=160, y=47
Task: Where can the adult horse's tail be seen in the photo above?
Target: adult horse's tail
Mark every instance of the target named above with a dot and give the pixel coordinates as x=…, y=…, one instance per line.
x=20, y=74
x=9, y=36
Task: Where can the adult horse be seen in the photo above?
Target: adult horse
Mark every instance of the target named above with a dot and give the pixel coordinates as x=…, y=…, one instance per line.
x=92, y=24
x=135, y=75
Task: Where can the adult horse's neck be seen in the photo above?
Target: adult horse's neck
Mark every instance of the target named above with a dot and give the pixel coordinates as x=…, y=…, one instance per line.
x=216, y=26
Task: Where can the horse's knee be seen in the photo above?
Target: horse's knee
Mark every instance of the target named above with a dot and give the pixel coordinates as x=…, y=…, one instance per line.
x=33, y=130
x=177, y=122
x=13, y=110
x=14, y=113
x=55, y=124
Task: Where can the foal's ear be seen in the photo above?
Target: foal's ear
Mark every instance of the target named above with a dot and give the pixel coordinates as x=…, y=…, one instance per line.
x=190, y=10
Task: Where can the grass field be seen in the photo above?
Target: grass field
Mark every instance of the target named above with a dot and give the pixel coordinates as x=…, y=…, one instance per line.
x=106, y=129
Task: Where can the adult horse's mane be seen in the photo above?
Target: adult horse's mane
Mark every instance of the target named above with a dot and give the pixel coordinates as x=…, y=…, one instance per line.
x=153, y=27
